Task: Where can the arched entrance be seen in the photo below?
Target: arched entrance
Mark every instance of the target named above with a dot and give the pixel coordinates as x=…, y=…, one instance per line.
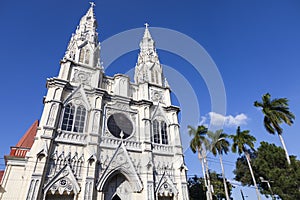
x=58, y=196
x=117, y=188
x=116, y=197
x=165, y=198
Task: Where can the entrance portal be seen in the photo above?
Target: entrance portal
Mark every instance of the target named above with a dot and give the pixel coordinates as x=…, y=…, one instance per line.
x=59, y=197
x=118, y=188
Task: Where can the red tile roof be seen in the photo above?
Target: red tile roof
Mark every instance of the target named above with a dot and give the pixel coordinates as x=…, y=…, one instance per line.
x=1, y=175
x=26, y=142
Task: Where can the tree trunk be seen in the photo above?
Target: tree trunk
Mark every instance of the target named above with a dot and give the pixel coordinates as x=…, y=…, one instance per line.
x=209, y=186
x=251, y=171
x=203, y=169
x=224, y=179
x=284, y=147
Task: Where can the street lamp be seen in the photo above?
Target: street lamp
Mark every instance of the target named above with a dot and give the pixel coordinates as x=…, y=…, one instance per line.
x=269, y=186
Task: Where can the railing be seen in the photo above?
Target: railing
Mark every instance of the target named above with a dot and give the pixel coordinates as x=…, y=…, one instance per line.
x=160, y=148
x=18, y=151
x=114, y=142
x=71, y=137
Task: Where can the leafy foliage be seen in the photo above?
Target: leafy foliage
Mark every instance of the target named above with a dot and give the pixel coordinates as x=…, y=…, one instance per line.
x=219, y=144
x=197, y=188
x=276, y=111
x=269, y=163
x=241, y=140
x=198, y=137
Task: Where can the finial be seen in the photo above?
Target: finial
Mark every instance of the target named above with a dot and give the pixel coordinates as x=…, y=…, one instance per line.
x=122, y=135
x=92, y=4
x=146, y=25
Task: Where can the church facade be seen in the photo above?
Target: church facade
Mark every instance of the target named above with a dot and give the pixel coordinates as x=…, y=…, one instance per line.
x=100, y=137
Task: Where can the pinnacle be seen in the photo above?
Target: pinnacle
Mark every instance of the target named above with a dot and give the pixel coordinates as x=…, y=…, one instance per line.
x=90, y=12
x=147, y=33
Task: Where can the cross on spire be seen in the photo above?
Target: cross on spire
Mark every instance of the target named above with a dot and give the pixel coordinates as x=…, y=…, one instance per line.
x=92, y=3
x=146, y=25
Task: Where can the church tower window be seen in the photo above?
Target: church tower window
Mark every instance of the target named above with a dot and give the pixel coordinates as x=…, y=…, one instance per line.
x=164, y=135
x=160, y=132
x=87, y=56
x=79, y=119
x=84, y=55
x=156, y=138
x=69, y=124
x=68, y=118
x=81, y=55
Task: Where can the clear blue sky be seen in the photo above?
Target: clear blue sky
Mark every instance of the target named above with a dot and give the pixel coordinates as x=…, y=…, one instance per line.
x=255, y=45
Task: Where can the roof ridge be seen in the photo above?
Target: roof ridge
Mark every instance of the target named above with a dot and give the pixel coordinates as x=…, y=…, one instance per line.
x=28, y=138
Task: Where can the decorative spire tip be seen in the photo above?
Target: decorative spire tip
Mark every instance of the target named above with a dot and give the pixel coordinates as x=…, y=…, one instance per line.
x=146, y=25
x=92, y=4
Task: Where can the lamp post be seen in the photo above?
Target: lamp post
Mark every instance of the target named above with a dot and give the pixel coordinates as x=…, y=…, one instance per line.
x=269, y=186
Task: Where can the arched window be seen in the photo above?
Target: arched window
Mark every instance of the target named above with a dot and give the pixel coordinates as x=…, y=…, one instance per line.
x=79, y=119
x=87, y=56
x=156, y=137
x=71, y=124
x=160, y=132
x=81, y=55
x=153, y=77
x=164, y=135
x=156, y=76
x=84, y=55
x=68, y=118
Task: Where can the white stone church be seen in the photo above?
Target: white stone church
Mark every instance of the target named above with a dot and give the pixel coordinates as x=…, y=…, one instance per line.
x=100, y=137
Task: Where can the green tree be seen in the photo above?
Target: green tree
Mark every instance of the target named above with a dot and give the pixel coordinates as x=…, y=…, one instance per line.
x=241, y=140
x=269, y=162
x=217, y=182
x=218, y=146
x=276, y=111
x=197, y=187
x=198, y=144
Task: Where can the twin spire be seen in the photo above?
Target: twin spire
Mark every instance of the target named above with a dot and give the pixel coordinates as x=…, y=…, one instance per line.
x=84, y=46
x=84, y=49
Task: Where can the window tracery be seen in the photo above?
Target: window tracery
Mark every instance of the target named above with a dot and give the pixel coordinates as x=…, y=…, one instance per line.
x=160, y=132
x=69, y=123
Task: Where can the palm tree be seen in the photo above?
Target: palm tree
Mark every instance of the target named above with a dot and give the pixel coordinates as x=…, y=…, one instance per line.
x=220, y=145
x=198, y=141
x=240, y=140
x=276, y=111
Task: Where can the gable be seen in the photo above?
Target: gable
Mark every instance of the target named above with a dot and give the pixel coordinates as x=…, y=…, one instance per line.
x=63, y=181
x=159, y=113
x=79, y=97
x=166, y=187
x=121, y=163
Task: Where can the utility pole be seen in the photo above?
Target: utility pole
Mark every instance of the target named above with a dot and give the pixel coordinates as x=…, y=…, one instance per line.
x=269, y=186
x=243, y=197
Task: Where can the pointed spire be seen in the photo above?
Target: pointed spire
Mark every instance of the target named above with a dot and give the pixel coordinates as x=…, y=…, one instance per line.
x=148, y=68
x=147, y=44
x=147, y=33
x=84, y=46
x=88, y=25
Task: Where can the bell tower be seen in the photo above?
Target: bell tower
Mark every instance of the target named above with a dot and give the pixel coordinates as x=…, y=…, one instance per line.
x=81, y=62
x=148, y=68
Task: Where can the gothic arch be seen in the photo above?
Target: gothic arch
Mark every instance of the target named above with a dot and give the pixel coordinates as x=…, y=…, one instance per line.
x=160, y=126
x=78, y=94
x=166, y=188
x=75, y=106
x=64, y=182
x=121, y=164
x=117, y=187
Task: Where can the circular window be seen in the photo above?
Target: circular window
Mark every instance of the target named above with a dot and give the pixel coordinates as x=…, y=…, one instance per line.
x=118, y=123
